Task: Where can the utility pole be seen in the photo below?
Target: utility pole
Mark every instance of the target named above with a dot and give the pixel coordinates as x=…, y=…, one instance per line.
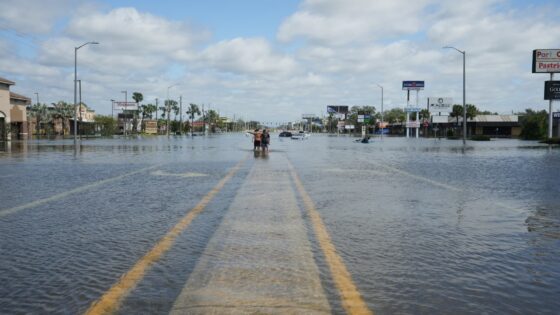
x=157, y=118
x=80, y=102
x=124, y=114
x=181, y=114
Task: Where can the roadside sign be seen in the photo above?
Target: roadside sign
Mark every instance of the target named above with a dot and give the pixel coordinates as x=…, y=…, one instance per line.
x=412, y=109
x=413, y=85
x=552, y=90
x=413, y=124
x=556, y=115
x=546, y=60
x=125, y=106
x=337, y=109
x=439, y=104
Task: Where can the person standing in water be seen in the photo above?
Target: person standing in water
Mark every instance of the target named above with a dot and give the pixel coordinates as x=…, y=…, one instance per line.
x=265, y=140
x=257, y=137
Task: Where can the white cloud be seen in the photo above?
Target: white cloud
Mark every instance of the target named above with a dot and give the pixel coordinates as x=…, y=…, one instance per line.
x=248, y=56
x=339, y=22
x=30, y=17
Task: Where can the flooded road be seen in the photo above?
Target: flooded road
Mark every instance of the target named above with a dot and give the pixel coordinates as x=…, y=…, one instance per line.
x=325, y=225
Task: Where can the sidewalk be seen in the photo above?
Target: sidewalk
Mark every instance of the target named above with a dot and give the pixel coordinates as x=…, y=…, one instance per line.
x=259, y=259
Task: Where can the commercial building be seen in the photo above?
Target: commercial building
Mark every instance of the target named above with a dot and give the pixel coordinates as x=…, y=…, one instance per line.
x=13, y=112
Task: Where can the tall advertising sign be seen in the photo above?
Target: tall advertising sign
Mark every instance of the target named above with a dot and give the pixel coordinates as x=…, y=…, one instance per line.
x=440, y=104
x=414, y=86
x=552, y=90
x=547, y=61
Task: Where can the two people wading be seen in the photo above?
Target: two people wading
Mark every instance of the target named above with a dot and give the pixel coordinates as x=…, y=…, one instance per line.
x=261, y=139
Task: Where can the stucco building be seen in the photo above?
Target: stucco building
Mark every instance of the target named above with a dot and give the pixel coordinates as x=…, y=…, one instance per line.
x=13, y=112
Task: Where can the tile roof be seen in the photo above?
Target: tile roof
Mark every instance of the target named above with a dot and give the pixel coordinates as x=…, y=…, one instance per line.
x=19, y=97
x=6, y=81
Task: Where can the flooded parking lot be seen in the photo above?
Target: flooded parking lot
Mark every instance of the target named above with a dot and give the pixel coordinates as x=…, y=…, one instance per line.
x=324, y=225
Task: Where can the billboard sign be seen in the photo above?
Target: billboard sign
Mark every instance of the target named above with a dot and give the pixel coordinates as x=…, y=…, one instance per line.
x=440, y=119
x=125, y=106
x=337, y=109
x=413, y=85
x=413, y=124
x=412, y=109
x=546, y=60
x=439, y=104
x=552, y=90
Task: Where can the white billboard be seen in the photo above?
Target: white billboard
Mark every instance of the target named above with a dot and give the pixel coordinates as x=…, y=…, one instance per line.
x=546, y=60
x=125, y=106
x=440, y=104
x=440, y=119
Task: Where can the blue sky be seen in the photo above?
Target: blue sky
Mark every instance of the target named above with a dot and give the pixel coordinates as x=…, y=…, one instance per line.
x=225, y=19
x=275, y=60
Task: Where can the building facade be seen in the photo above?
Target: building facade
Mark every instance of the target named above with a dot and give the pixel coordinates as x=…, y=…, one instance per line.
x=13, y=112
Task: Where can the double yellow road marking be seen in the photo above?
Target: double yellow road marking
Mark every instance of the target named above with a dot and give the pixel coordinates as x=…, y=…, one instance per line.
x=110, y=301
x=352, y=300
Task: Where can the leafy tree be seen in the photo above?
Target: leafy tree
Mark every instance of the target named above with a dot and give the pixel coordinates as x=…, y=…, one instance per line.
x=41, y=114
x=213, y=119
x=64, y=111
x=457, y=111
x=106, y=125
x=192, y=111
x=395, y=115
x=534, y=125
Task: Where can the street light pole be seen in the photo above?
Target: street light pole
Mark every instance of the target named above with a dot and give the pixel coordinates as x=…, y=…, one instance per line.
x=113, y=108
x=382, y=128
x=464, y=52
x=80, y=108
x=124, y=114
x=75, y=92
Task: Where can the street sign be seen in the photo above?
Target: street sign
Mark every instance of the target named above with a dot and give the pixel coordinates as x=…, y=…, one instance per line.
x=440, y=104
x=413, y=124
x=413, y=85
x=546, y=60
x=556, y=115
x=337, y=109
x=125, y=106
x=552, y=90
x=412, y=109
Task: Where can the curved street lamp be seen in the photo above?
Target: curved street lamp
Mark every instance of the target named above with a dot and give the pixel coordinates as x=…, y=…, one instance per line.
x=382, y=128
x=464, y=105
x=75, y=92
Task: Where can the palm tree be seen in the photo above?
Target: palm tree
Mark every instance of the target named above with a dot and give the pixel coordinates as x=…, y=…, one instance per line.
x=425, y=116
x=192, y=111
x=64, y=112
x=137, y=97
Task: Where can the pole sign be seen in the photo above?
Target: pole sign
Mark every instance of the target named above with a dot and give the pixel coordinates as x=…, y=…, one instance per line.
x=439, y=104
x=546, y=60
x=552, y=90
x=125, y=106
x=413, y=85
x=337, y=109
x=412, y=109
x=556, y=115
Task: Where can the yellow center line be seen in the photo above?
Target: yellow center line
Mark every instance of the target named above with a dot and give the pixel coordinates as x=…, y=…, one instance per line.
x=5, y=212
x=352, y=300
x=110, y=301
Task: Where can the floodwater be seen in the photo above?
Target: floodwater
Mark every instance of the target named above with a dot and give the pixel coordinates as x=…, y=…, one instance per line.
x=420, y=225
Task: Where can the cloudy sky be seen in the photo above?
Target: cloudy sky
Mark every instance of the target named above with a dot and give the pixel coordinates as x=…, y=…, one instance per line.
x=274, y=60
